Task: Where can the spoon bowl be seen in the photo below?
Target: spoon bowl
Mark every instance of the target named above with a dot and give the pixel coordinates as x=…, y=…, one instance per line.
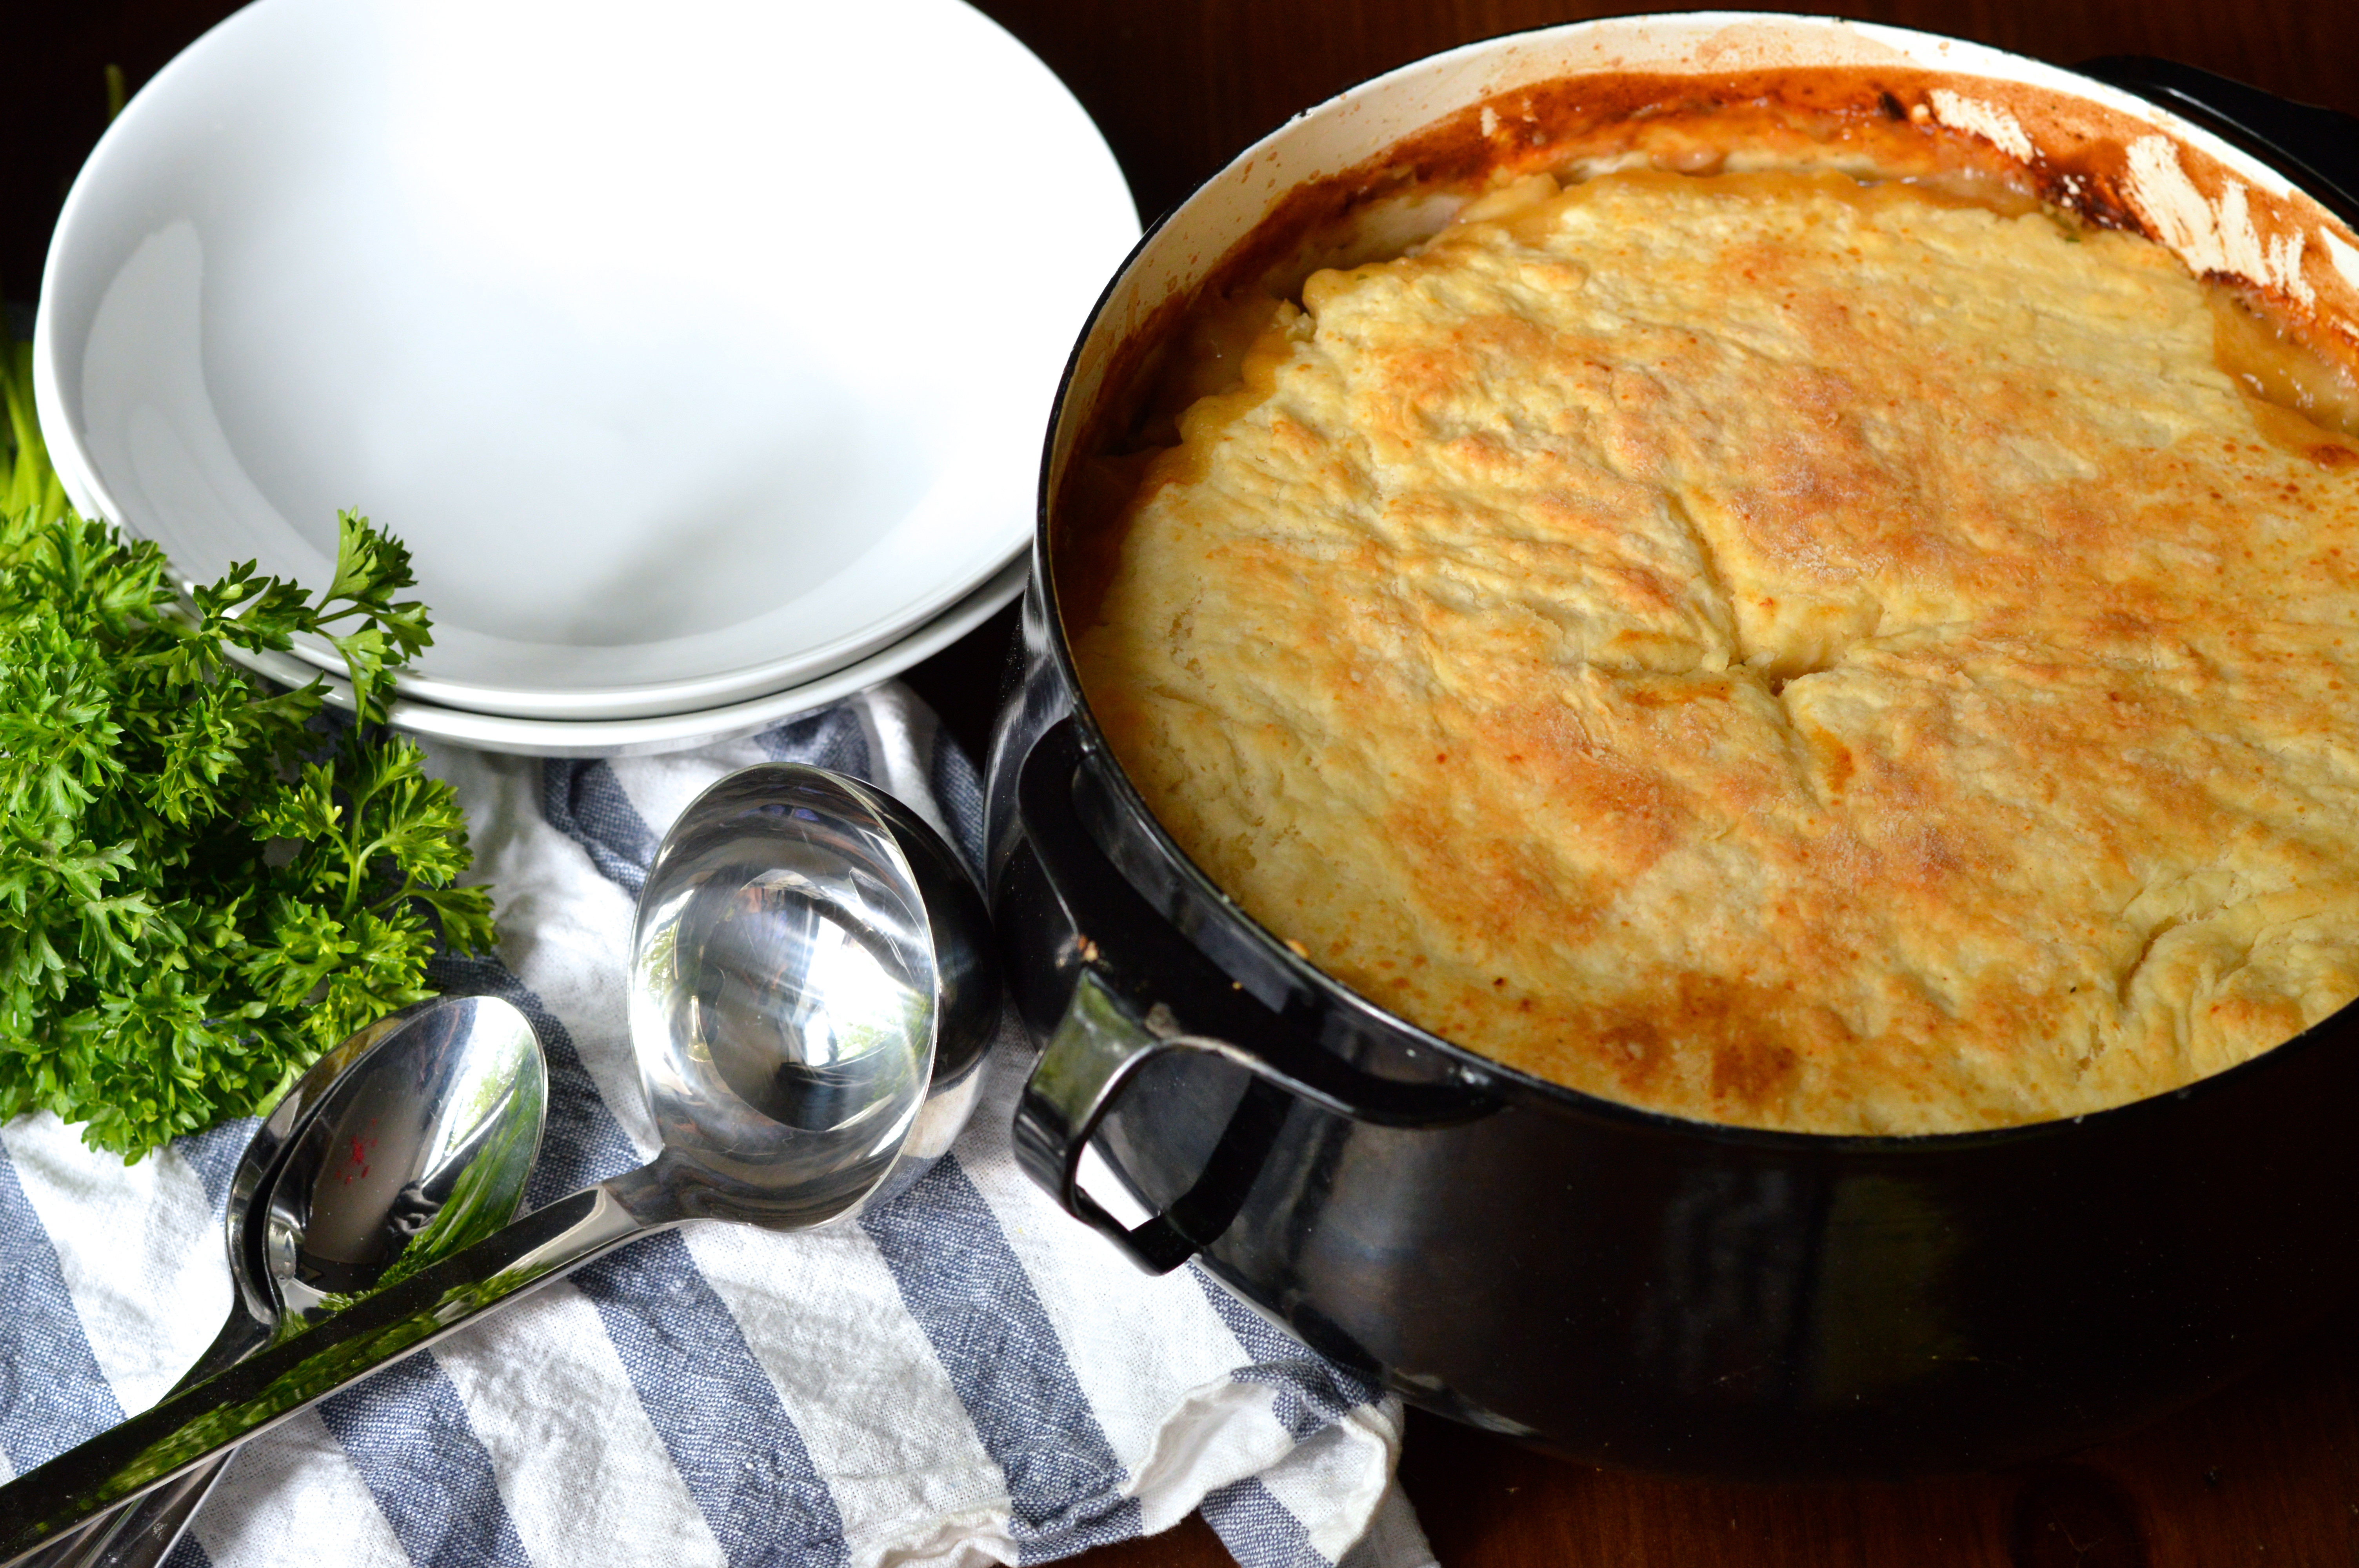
x=420, y=1149
x=409, y=1141
x=812, y=996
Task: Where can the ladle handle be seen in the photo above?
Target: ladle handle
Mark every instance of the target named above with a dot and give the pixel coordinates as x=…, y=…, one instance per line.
x=209, y=1419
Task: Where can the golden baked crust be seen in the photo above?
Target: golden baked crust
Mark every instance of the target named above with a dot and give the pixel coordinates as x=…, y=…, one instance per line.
x=1765, y=648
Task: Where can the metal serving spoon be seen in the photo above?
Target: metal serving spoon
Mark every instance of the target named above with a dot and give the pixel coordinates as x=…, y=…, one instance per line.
x=254, y=1312
x=806, y=947
x=409, y=1141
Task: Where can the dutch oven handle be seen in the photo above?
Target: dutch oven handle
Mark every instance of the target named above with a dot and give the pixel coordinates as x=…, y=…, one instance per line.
x=1117, y=1023
x=2319, y=147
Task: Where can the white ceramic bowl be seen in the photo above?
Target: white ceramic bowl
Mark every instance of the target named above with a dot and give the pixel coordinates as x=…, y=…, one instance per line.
x=697, y=351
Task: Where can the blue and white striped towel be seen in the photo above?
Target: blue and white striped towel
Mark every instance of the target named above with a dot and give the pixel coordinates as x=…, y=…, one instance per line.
x=964, y=1375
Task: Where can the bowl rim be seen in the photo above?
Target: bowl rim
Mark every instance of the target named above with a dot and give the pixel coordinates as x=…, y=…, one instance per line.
x=660, y=733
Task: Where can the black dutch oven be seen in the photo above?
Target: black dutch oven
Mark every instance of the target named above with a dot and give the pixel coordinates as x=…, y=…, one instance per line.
x=1621, y=1286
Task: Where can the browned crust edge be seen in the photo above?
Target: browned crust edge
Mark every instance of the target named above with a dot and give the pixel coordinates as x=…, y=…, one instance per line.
x=2081, y=161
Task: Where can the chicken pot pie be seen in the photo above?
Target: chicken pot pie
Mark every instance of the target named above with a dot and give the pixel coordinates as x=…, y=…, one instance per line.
x=1776, y=648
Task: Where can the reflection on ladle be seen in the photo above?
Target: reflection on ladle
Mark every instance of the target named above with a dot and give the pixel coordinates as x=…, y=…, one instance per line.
x=793, y=1005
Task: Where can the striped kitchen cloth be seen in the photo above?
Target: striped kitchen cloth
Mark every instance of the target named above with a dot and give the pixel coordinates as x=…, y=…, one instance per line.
x=961, y=1376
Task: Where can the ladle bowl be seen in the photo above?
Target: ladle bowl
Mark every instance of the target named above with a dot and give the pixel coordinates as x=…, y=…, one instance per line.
x=807, y=957
x=811, y=998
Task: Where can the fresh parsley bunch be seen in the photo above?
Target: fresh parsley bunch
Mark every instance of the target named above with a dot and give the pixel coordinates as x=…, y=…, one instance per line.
x=199, y=890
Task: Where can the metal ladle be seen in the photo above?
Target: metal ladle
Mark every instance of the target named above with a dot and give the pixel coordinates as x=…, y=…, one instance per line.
x=805, y=949
x=408, y=1141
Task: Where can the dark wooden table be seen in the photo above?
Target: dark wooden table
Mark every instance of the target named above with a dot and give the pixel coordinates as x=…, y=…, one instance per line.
x=2266, y=1473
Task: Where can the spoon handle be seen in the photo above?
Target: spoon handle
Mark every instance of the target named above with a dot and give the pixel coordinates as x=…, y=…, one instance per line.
x=178, y=1436
x=142, y=1534
x=240, y=1338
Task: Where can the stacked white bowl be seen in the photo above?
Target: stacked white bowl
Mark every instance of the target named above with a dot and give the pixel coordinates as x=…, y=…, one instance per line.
x=701, y=352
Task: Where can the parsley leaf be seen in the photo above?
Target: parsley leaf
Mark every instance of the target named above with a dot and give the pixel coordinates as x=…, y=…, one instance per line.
x=198, y=892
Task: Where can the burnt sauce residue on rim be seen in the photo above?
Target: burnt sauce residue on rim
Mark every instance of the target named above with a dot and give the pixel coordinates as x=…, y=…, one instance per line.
x=2071, y=154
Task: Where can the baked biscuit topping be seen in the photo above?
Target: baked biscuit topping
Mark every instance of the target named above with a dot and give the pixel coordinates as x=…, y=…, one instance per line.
x=1766, y=648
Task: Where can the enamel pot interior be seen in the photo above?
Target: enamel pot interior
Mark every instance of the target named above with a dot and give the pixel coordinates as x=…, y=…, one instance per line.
x=1621, y=1286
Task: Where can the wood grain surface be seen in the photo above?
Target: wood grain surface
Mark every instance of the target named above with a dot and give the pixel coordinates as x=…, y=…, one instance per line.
x=2266, y=1473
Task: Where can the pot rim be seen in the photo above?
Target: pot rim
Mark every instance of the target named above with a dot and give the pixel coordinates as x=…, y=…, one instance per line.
x=1471, y=1066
